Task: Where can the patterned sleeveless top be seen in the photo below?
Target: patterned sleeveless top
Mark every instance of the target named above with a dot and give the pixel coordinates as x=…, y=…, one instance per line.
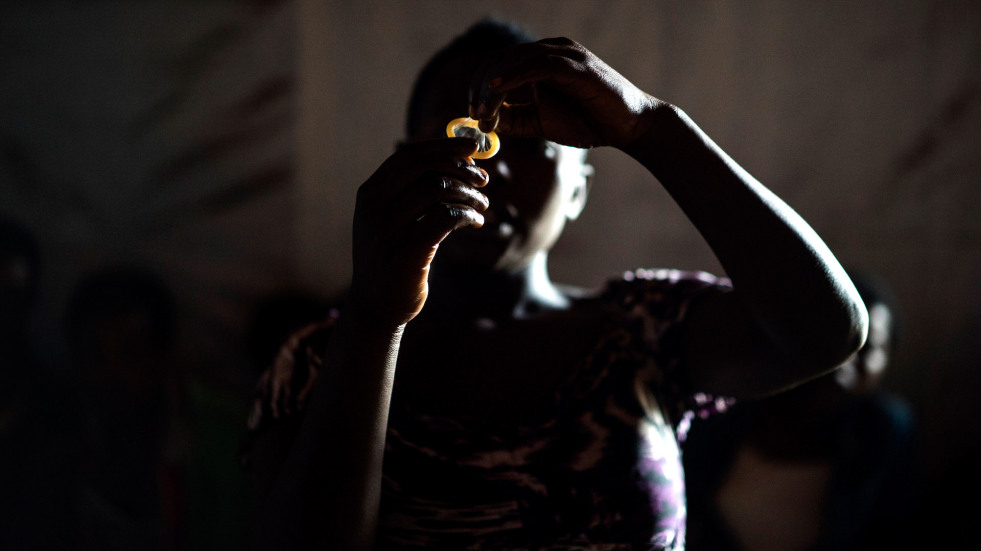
x=603, y=472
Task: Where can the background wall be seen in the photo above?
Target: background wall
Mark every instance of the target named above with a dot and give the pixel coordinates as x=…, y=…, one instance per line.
x=222, y=144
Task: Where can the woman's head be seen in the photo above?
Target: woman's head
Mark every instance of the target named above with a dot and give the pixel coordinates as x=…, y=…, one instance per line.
x=122, y=326
x=535, y=185
x=446, y=75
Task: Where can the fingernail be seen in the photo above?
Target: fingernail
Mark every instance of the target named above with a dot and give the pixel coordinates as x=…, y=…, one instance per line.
x=488, y=125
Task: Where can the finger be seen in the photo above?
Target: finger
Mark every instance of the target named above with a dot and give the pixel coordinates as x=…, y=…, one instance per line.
x=274, y=398
x=441, y=147
x=458, y=169
x=391, y=214
x=425, y=152
x=545, y=73
x=519, y=121
x=255, y=415
x=286, y=386
x=450, y=156
x=549, y=59
x=281, y=378
x=510, y=69
x=287, y=391
x=262, y=387
x=305, y=331
x=425, y=235
x=539, y=121
x=415, y=203
x=314, y=367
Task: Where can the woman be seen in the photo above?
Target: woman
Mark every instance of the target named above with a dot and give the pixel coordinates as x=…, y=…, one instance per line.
x=513, y=412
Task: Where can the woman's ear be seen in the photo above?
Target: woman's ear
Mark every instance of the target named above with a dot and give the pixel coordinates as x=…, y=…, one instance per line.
x=580, y=192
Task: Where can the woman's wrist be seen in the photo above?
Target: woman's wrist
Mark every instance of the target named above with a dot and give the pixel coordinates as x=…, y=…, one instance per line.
x=374, y=314
x=656, y=124
x=360, y=326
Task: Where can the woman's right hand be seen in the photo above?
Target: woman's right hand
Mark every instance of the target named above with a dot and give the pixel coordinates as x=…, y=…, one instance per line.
x=410, y=204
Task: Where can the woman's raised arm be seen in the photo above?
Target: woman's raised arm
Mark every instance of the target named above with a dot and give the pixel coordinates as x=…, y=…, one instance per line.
x=793, y=314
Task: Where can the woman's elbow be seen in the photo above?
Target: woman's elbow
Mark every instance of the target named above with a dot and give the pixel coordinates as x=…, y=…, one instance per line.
x=842, y=335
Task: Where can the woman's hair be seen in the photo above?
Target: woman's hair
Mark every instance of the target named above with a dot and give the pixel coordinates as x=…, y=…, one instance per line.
x=487, y=35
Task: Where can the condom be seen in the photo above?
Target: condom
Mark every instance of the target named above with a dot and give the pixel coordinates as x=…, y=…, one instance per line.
x=487, y=143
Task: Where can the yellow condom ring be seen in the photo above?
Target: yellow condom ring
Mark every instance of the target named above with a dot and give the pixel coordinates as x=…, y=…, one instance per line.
x=487, y=142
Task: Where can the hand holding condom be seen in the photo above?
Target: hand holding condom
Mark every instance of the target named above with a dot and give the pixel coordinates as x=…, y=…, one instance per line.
x=567, y=95
x=424, y=191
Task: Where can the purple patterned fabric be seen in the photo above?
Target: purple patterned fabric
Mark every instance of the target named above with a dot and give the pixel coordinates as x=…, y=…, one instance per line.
x=604, y=472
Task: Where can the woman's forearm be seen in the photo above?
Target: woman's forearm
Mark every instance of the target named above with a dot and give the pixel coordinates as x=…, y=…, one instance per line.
x=785, y=276
x=326, y=495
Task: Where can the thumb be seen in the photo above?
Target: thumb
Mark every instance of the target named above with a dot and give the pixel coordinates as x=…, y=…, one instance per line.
x=516, y=120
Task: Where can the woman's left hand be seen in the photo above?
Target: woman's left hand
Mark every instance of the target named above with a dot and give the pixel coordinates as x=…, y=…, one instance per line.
x=575, y=99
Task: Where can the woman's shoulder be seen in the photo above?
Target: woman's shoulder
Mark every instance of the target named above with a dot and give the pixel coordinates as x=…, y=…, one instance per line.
x=661, y=291
x=667, y=278
x=646, y=278
x=661, y=285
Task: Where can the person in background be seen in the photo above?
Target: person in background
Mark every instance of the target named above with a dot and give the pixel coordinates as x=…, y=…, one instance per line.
x=39, y=432
x=122, y=327
x=828, y=465
x=513, y=412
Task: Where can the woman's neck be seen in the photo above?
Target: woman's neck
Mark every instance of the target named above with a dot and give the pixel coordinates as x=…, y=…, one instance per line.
x=471, y=292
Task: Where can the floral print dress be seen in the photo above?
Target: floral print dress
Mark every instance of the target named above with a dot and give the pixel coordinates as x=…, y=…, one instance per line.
x=603, y=472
